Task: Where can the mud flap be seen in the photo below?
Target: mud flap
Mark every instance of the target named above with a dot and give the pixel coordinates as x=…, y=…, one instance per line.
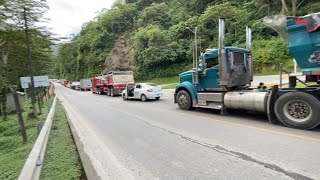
x=270, y=104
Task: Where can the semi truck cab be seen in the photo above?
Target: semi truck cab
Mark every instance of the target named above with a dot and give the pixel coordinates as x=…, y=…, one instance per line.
x=222, y=80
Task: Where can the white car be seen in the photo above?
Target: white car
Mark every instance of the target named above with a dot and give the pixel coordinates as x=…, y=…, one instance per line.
x=143, y=91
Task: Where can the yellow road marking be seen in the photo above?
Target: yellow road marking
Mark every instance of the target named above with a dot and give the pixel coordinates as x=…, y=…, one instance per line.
x=240, y=125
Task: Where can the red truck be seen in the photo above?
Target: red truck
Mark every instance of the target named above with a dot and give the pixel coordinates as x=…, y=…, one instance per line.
x=112, y=83
x=64, y=82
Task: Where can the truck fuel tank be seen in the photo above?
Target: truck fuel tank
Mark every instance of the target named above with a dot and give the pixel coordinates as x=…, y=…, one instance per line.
x=246, y=100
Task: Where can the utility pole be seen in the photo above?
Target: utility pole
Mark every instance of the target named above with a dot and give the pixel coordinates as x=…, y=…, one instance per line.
x=196, y=48
x=195, y=55
x=32, y=93
x=20, y=118
x=195, y=78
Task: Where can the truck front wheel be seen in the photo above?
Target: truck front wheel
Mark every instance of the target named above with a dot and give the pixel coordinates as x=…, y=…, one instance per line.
x=298, y=110
x=184, y=100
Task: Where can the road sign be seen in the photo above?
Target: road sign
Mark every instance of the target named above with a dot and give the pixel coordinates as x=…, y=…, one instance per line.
x=39, y=81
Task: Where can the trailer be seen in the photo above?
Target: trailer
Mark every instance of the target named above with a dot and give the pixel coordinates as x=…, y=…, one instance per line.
x=112, y=83
x=98, y=84
x=222, y=79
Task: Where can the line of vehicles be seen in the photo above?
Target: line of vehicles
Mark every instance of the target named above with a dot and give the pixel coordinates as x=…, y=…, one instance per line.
x=117, y=83
x=222, y=77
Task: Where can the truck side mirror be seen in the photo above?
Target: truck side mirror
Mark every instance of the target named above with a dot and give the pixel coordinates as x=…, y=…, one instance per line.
x=200, y=63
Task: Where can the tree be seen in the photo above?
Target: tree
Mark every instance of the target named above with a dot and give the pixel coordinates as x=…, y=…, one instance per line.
x=161, y=43
x=13, y=50
x=156, y=14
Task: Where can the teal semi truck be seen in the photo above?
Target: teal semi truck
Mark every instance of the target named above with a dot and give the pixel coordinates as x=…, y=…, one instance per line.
x=222, y=77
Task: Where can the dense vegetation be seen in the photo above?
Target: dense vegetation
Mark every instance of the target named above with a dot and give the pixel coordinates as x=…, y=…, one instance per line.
x=13, y=50
x=13, y=152
x=162, y=45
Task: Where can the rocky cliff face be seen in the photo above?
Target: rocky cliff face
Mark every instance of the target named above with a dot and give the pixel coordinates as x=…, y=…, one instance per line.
x=120, y=58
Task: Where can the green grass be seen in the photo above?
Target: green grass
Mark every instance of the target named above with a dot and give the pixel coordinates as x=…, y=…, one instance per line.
x=274, y=69
x=169, y=86
x=13, y=153
x=163, y=80
x=61, y=159
x=300, y=85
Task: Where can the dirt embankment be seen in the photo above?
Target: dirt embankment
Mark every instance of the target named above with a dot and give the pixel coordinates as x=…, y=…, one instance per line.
x=120, y=58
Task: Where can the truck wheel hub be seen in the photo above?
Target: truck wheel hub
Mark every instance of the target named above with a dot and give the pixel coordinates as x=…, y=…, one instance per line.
x=298, y=111
x=183, y=100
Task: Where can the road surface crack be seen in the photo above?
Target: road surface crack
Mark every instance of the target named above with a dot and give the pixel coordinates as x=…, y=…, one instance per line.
x=242, y=156
x=223, y=150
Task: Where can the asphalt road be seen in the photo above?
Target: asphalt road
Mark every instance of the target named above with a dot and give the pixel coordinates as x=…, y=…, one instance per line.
x=157, y=140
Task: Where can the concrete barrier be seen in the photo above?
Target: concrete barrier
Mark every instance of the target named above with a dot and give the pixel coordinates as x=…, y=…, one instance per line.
x=32, y=168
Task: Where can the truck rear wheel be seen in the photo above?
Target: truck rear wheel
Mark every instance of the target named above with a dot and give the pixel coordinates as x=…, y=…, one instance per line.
x=184, y=100
x=112, y=92
x=298, y=110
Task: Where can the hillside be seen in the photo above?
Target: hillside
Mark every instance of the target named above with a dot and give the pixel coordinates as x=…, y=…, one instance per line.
x=151, y=37
x=121, y=55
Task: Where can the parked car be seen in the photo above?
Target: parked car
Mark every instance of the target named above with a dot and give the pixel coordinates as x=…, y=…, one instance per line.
x=85, y=84
x=143, y=91
x=75, y=85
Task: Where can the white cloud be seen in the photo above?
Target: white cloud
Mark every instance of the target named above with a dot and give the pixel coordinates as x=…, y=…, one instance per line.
x=67, y=16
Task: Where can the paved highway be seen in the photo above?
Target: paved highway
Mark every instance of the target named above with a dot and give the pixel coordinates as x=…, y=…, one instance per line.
x=157, y=140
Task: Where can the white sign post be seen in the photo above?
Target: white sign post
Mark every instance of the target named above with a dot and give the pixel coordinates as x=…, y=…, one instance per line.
x=39, y=81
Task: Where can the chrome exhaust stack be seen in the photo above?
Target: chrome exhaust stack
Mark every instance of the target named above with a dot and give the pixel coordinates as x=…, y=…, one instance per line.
x=249, y=48
x=222, y=54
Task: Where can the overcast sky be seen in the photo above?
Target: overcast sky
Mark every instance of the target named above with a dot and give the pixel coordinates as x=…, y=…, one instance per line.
x=67, y=16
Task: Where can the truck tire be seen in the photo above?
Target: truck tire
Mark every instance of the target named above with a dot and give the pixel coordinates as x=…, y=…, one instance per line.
x=108, y=92
x=144, y=98
x=99, y=91
x=184, y=100
x=112, y=92
x=298, y=110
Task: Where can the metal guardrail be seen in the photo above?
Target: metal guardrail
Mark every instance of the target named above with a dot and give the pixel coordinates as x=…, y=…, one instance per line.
x=32, y=167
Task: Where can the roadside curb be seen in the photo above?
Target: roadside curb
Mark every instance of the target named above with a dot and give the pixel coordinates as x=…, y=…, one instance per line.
x=97, y=159
x=84, y=156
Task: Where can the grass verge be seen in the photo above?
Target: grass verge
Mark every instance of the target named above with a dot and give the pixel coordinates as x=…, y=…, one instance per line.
x=274, y=69
x=169, y=86
x=61, y=159
x=13, y=153
x=163, y=80
x=300, y=85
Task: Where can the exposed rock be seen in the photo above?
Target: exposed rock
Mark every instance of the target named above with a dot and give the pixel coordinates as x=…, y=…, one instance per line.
x=120, y=58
